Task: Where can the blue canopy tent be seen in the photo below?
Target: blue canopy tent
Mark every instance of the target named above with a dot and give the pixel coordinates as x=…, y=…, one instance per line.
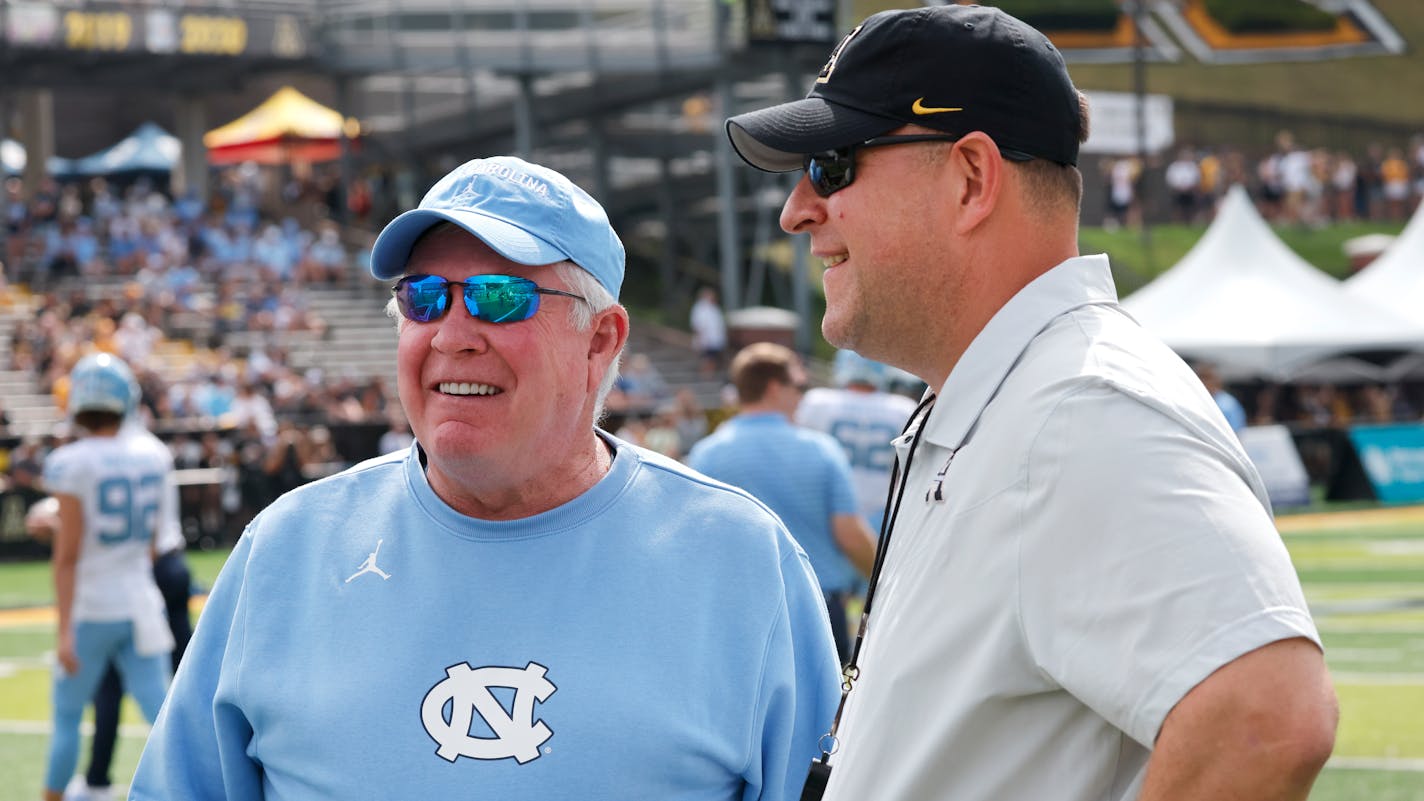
x=149, y=149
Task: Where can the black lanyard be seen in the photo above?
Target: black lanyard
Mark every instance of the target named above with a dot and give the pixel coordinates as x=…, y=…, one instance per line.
x=820, y=772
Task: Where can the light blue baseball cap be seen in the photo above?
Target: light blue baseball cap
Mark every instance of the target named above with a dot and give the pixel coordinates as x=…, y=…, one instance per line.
x=527, y=213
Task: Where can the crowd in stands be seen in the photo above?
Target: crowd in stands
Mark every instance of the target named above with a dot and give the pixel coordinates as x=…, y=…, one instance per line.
x=165, y=283
x=130, y=270
x=1292, y=184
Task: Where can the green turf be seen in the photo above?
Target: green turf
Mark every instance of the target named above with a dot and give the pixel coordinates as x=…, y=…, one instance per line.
x=22, y=761
x=1361, y=653
x=30, y=584
x=1370, y=718
x=1341, y=784
x=1404, y=621
x=1381, y=574
x=25, y=643
x=25, y=584
x=1346, y=591
x=25, y=694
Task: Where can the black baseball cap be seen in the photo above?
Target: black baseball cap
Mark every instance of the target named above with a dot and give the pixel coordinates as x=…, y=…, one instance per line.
x=953, y=68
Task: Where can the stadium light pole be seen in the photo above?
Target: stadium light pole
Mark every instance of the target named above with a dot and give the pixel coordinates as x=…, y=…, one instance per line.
x=1139, y=90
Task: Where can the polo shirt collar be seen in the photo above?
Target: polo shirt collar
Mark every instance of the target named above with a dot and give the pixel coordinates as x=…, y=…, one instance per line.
x=975, y=379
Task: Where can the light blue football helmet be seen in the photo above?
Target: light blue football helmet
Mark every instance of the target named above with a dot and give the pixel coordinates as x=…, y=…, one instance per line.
x=852, y=368
x=101, y=382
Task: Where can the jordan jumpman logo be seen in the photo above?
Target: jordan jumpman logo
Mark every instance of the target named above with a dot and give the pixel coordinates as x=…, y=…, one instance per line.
x=369, y=566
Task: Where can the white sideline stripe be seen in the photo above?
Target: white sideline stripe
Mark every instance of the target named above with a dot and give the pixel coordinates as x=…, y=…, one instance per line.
x=45, y=728
x=1376, y=763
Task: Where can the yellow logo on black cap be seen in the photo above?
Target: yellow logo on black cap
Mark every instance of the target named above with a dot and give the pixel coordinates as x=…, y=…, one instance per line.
x=920, y=109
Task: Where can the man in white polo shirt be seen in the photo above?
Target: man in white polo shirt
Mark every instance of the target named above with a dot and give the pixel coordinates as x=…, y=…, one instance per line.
x=1081, y=595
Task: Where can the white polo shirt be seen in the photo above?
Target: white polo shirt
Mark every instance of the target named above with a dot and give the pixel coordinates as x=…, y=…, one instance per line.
x=1082, y=540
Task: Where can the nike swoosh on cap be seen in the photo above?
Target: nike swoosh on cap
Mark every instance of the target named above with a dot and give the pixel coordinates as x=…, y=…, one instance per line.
x=919, y=108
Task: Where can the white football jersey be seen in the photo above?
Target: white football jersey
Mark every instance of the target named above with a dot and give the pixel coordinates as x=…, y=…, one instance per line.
x=170, y=521
x=863, y=423
x=124, y=484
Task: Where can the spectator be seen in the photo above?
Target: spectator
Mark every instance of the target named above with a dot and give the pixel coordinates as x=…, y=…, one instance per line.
x=398, y=436
x=1395, y=184
x=1230, y=407
x=17, y=496
x=801, y=474
x=1343, y=176
x=251, y=407
x=709, y=330
x=1184, y=182
x=642, y=385
x=691, y=419
x=1123, y=210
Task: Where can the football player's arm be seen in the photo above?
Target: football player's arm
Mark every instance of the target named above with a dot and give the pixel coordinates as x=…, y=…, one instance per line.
x=849, y=530
x=855, y=540
x=1259, y=728
x=197, y=749
x=67, y=542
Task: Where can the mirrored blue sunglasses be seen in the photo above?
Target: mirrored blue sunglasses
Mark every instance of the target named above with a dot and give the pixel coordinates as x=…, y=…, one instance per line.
x=492, y=298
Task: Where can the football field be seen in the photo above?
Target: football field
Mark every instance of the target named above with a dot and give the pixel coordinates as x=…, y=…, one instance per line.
x=1363, y=574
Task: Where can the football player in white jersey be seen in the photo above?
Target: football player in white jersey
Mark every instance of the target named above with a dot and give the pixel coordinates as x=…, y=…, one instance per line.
x=863, y=417
x=175, y=581
x=112, y=491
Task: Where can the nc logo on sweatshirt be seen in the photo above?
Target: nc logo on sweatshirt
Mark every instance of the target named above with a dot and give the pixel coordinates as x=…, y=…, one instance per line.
x=468, y=692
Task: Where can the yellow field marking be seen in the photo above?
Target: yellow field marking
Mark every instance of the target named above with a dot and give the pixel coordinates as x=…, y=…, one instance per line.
x=46, y=616
x=1288, y=524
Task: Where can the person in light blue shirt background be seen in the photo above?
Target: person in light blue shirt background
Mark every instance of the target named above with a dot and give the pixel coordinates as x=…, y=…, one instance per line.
x=802, y=475
x=1230, y=407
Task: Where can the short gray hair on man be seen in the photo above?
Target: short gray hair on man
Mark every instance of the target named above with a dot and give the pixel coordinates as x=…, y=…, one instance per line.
x=580, y=282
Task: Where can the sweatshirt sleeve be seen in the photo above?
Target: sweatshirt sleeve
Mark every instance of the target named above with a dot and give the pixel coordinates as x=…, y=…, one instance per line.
x=799, y=691
x=198, y=748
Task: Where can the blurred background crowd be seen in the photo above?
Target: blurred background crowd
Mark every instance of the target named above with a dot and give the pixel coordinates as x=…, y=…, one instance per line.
x=205, y=296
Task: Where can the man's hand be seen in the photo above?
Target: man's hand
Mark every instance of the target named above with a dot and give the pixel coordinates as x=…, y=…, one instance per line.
x=68, y=659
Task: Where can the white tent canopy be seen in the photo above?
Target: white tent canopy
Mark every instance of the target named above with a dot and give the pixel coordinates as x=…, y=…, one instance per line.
x=1395, y=279
x=1243, y=299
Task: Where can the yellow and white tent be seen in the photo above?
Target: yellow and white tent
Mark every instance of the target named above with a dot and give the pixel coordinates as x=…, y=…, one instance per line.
x=286, y=127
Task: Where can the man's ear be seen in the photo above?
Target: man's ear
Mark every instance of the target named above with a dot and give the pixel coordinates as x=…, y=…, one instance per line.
x=979, y=174
x=606, y=340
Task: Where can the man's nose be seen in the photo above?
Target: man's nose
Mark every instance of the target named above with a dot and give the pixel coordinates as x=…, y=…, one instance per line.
x=460, y=330
x=803, y=208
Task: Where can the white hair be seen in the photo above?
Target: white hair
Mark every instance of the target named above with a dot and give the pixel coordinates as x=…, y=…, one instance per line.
x=580, y=282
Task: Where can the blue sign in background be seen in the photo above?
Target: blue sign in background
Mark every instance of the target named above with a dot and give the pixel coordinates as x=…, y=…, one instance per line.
x=1393, y=458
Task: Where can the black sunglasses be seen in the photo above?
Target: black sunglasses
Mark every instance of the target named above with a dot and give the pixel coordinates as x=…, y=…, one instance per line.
x=833, y=170
x=493, y=298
